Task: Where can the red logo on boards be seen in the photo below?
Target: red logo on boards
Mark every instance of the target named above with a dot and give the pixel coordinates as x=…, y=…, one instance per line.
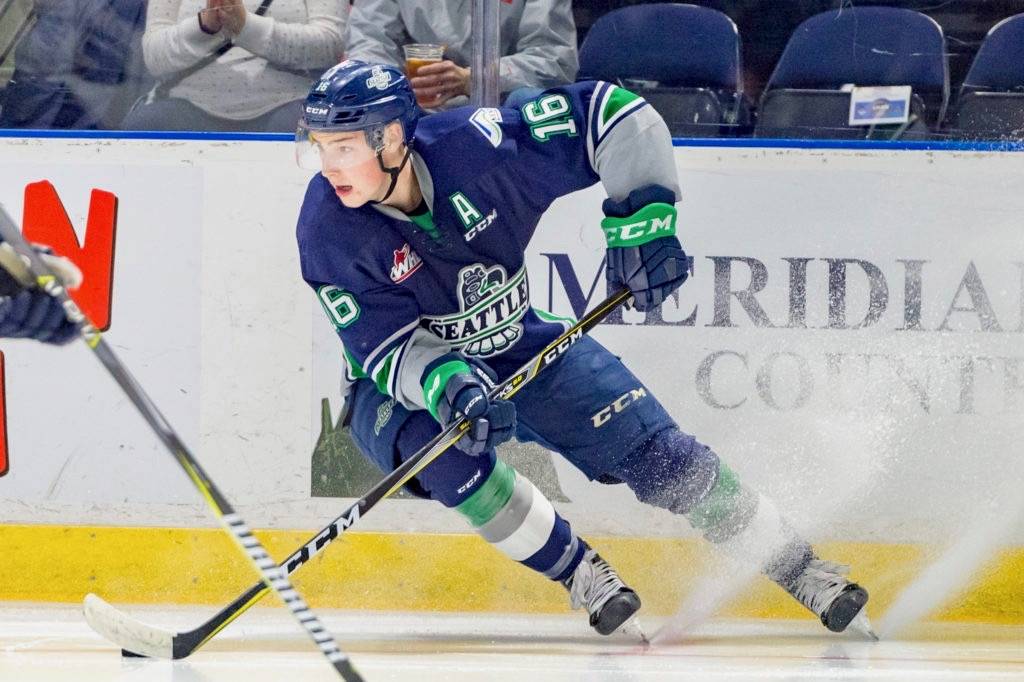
x=407, y=262
x=46, y=221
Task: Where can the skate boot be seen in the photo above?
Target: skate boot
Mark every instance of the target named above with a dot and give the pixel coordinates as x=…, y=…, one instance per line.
x=823, y=588
x=597, y=586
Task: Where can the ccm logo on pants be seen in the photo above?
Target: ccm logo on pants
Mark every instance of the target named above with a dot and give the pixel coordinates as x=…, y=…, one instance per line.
x=623, y=401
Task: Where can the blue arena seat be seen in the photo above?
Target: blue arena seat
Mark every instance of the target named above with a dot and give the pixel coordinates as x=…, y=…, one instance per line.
x=684, y=59
x=991, y=101
x=824, y=115
x=863, y=46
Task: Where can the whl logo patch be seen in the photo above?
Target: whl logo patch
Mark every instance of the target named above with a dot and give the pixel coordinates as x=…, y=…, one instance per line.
x=406, y=262
x=492, y=304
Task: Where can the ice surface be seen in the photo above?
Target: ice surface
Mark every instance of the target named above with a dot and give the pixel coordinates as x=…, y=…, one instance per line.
x=48, y=643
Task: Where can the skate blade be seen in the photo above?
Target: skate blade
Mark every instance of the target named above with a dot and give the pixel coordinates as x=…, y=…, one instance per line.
x=862, y=625
x=632, y=627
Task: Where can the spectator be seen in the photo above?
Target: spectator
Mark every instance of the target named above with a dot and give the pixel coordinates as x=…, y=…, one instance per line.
x=229, y=65
x=538, y=43
x=77, y=67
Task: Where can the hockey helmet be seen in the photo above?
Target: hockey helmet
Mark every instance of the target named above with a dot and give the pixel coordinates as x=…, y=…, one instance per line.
x=353, y=96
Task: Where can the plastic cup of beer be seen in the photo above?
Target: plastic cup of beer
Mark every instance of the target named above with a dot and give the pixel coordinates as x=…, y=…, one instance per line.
x=419, y=54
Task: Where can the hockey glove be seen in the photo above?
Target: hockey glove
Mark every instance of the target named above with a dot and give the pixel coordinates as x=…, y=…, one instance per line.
x=643, y=251
x=27, y=311
x=452, y=388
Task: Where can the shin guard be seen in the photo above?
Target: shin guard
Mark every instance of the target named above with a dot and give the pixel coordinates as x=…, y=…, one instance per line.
x=510, y=512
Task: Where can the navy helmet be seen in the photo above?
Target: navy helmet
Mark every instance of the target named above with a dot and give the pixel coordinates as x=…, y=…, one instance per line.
x=355, y=95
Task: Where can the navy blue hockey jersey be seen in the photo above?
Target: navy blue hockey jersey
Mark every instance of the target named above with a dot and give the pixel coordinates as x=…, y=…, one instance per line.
x=400, y=292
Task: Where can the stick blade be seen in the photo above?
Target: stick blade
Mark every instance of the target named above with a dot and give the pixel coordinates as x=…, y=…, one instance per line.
x=130, y=634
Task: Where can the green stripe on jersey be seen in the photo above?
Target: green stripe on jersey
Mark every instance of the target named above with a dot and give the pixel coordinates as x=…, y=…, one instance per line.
x=491, y=497
x=382, y=375
x=551, y=317
x=619, y=98
x=357, y=369
x=433, y=386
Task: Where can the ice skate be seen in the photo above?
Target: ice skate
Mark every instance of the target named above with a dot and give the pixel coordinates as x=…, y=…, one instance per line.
x=595, y=585
x=823, y=588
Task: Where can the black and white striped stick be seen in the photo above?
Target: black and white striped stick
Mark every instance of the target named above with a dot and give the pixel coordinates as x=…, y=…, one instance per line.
x=273, y=576
x=136, y=637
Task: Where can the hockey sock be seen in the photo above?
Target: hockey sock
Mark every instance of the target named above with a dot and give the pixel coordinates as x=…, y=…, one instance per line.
x=748, y=527
x=513, y=515
x=726, y=509
x=674, y=471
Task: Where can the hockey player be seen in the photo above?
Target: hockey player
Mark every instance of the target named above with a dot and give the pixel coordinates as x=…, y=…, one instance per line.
x=413, y=236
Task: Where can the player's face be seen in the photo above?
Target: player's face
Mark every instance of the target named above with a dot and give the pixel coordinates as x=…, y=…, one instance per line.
x=348, y=162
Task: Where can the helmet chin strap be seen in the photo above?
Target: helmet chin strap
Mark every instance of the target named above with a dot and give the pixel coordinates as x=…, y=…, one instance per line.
x=393, y=172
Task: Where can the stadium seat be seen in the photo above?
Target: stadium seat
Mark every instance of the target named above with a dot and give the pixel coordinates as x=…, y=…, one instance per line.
x=862, y=46
x=991, y=101
x=823, y=114
x=684, y=59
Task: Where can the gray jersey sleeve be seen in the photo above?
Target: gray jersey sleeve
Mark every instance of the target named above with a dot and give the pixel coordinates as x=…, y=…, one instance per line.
x=411, y=359
x=637, y=149
x=421, y=350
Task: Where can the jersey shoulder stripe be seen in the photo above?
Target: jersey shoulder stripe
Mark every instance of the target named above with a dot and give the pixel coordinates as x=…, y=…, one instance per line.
x=609, y=105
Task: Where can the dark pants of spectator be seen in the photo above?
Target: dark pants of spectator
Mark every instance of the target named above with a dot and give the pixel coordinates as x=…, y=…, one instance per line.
x=179, y=114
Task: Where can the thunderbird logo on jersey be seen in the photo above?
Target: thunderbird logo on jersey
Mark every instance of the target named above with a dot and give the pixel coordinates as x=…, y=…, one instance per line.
x=407, y=262
x=492, y=304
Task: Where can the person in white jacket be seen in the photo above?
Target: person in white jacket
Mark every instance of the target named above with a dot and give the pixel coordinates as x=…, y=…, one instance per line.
x=538, y=43
x=235, y=65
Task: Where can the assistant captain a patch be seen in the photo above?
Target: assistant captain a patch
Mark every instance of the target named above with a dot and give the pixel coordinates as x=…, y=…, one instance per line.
x=406, y=263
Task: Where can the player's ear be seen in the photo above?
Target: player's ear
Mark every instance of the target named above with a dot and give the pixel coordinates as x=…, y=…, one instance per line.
x=393, y=136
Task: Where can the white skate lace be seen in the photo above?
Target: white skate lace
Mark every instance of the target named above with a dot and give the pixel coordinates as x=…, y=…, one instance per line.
x=593, y=583
x=819, y=584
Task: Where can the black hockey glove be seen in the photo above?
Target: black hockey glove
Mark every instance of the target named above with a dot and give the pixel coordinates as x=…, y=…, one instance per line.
x=453, y=387
x=27, y=311
x=643, y=252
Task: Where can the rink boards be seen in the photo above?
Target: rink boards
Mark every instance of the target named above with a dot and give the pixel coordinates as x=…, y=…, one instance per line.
x=850, y=342
x=457, y=572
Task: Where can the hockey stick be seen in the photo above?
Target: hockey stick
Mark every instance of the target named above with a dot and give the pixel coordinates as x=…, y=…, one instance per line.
x=273, y=577
x=136, y=637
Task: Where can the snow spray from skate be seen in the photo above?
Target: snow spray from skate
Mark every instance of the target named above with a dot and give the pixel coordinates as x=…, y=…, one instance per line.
x=999, y=512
